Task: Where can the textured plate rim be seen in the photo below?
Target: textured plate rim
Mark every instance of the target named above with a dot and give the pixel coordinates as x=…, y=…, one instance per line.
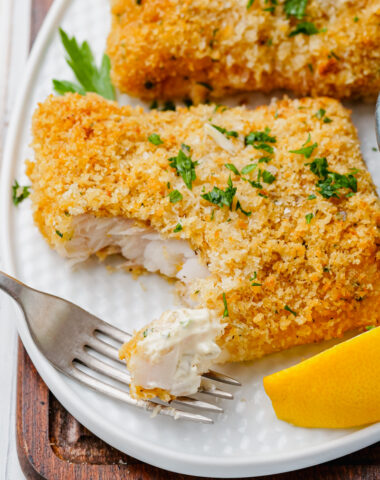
x=141, y=449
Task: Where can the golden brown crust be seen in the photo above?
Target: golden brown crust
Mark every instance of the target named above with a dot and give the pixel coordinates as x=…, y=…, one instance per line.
x=93, y=156
x=165, y=48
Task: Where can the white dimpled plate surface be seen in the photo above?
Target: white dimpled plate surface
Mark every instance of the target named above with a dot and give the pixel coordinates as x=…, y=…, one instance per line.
x=247, y=439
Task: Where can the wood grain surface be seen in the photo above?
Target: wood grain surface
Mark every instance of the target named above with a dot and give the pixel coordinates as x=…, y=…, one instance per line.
x=52, y=445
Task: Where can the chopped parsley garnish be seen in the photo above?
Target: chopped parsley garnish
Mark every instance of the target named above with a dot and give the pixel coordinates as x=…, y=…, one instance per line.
x=153, y=105
x=250, y=3
x=188, y=102
x=307, y=28
x=59, y=233
x=256, y=284
x=312, y=197
x=321, y=116
x=319, y=166
x=145, y=333
x=309, y=217
x=295, y=8
x=356, y=19
x=267, y=177
x=254, y=184
x=254, y=276
x=221, y=197
x=248, y=168
x=225, y=313
x=239, y=207
x=184, y=166
x=265, y=160
x=306, y=151
x=178, y=228
x=232, y=167
x=264, y=136
x=264, y=146
x=332, y=54
x=19, y=193
x=175, y=196
x=330, y=182
x=310, y=67
x=155, y=139
x=81, y=61
x=263, y=195
x=206, y=85
x=269, y=9
x=225, y=132
x=288, y=309
x=374, y=149
x=370, y=327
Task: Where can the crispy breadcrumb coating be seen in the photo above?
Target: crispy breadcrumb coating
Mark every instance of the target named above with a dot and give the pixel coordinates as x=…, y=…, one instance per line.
x=319, y=275
x=202, y=48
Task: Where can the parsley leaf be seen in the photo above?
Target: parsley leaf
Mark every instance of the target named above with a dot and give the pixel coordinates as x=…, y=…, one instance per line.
x=239, y=207
x=288, y=309
x=264, y=146
x=334, y=181
x=155, y=139
x=221, y=197
x=311, y=197
x=319, y=166
x=225, y=313
x=175, y=196
x=268, y=177
x=295, y=8
x=309, y=217
x=306, y=151
x=248, y=168
x=59, y=233
x=19, y=193
x=230, y=133
x=321, y=116
x=232, y=167
x=178, y=228
x=249, y=4
x=184, y=166
x=308, y=28
x=264, y=136
x=90, y=78
x=254, y=184
x=265, y=160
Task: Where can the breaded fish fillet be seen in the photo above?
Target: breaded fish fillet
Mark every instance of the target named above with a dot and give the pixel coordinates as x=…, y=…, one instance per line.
x=203, y=48
x=273, y=215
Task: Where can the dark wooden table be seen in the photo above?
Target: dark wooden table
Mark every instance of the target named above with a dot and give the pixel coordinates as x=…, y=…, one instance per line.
x=52, y=445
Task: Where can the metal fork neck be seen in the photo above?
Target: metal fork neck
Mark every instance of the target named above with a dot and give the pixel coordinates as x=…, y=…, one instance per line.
x=11, y=286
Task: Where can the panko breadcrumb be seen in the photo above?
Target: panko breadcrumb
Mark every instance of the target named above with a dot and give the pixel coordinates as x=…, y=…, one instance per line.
x=202, y=48
x=289, y=267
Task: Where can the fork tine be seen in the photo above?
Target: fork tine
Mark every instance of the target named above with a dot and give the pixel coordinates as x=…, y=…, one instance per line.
x=124, y=396
x=216, y=392
x=104, y=348
x=105, y=369
x=221, y=377
x=113, y=332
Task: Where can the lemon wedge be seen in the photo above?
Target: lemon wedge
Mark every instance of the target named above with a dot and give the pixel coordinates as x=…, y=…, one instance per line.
x=338, y=388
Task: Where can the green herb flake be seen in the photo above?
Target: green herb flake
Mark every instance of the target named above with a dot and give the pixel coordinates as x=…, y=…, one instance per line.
x=263, y=195
x=225, y=313
x=248, y=168
x=155, y=139
x=268, y=177
x=307, y=28
x=145, y=333
x=309, y=217
x=59, y=233
x=249, y=4
x=175, y=196
x=264, y=146
x=306, y=151
x=332, y=54
x=221, y=197
x=370, y=327
x=265, y=160
x=81, y=61
x=153, y=105
x=288, y=309
x=225, y=132
x=310, y=67
x=321, y=116
x=256, y=284
x=319, y=167
x=374, y=149
x=184, y=166
x=232, y=167
x=178, y=228
x=169, y=105
x=295, y=8
x=312, y=197
x=188, y=102
x=356, y=19
x=19, y=194
x=239, y=207
x=257, y=136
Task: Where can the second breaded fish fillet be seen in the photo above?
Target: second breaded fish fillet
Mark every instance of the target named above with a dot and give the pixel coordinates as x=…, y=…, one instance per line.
x=202, y=48
x=267, y=217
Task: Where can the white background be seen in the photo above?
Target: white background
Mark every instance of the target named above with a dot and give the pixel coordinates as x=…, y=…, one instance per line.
x=14, y=46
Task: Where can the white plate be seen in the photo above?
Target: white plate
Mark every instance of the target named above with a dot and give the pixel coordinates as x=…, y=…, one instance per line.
x=247, y=440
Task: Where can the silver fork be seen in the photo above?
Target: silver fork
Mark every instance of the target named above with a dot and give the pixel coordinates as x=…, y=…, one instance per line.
x=68, y=337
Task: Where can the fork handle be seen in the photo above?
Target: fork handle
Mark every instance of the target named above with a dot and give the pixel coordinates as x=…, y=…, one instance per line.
x=11, y=286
